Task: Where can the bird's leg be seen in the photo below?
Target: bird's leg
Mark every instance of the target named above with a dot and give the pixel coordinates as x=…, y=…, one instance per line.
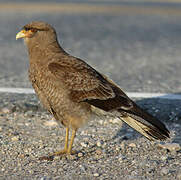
x=69, y=151
x=65, y=150
x=66, y=139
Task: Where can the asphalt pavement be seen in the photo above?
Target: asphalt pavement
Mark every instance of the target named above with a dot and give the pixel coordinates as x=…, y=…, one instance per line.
x=140, y=52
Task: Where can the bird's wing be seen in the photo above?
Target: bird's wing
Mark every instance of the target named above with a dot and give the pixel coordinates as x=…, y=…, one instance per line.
x=86, y=84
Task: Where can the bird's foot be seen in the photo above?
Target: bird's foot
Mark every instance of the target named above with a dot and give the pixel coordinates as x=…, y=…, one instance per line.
x=58, y=153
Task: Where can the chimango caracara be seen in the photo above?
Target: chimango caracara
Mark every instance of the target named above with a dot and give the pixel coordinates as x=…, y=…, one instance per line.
x=71, y=90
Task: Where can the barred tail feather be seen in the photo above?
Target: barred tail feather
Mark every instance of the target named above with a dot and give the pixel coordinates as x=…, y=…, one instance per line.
x=151, y=128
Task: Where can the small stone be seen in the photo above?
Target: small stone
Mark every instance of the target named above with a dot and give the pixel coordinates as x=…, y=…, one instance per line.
x=15, y=114
x=5, y=110
x=164, y=171
x=92, y=135
x=83, y=168
x=105, y=123
x=116, y=121
x=83, y=133
x=2, y=169
x=27, y=124
x=101, y=122
x=21, y=156
x=133, y=145
x=50, y=123
x=83, y=144
x=121, y=158
x=15, y=138
x=96, y=174
x=134, y=173
x=122, y=145
x=98, y=152
x=45, y=178
x=163, y=158
x=26, y=150
x=100, y=143
x=80, y=154
x=170, y=146
x=56, y=158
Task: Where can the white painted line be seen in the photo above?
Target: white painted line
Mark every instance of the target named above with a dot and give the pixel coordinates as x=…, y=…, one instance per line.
x=154, y=95
x=17, y=90
x=130, y=94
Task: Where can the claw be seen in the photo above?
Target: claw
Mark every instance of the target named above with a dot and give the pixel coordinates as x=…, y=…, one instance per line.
x=67, y=149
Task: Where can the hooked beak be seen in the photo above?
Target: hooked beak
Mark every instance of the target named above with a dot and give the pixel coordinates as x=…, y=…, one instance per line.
x=21, y=34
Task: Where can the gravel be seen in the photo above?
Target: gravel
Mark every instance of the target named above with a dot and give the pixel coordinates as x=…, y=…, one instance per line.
x=105, y=150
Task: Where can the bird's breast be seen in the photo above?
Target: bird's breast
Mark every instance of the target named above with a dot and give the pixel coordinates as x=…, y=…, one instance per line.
x=55, y=97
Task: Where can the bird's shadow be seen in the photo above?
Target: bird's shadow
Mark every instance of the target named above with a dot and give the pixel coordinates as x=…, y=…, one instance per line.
x=166, y=110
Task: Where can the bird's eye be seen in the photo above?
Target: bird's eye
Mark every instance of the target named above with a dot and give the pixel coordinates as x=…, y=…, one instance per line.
x=30, y=29
x=26, y=28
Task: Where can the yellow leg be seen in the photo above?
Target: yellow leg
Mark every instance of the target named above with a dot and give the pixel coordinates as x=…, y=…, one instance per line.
x=66, y=139
x=67, y=148
x=64, y=151
x=71, y=142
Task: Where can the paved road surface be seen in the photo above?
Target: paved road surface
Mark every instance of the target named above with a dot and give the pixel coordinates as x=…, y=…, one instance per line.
x=140, y=52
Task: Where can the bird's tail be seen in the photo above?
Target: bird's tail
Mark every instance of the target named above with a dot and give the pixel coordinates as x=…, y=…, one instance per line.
x=144, y=123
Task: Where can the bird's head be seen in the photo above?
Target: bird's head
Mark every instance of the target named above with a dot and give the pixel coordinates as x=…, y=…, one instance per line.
x=37, y=33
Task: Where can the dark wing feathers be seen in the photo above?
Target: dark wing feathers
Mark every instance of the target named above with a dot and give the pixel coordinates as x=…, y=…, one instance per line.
x=86, y=84
x=149, y=130
x=155, y=128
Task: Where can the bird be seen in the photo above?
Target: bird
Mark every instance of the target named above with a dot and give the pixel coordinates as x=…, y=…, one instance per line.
x=73, y=91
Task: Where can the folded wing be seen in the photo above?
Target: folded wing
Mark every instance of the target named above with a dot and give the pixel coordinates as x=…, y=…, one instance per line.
x=85, y=84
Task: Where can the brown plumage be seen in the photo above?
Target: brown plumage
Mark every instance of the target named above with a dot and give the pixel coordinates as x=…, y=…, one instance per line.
x=70, y=89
